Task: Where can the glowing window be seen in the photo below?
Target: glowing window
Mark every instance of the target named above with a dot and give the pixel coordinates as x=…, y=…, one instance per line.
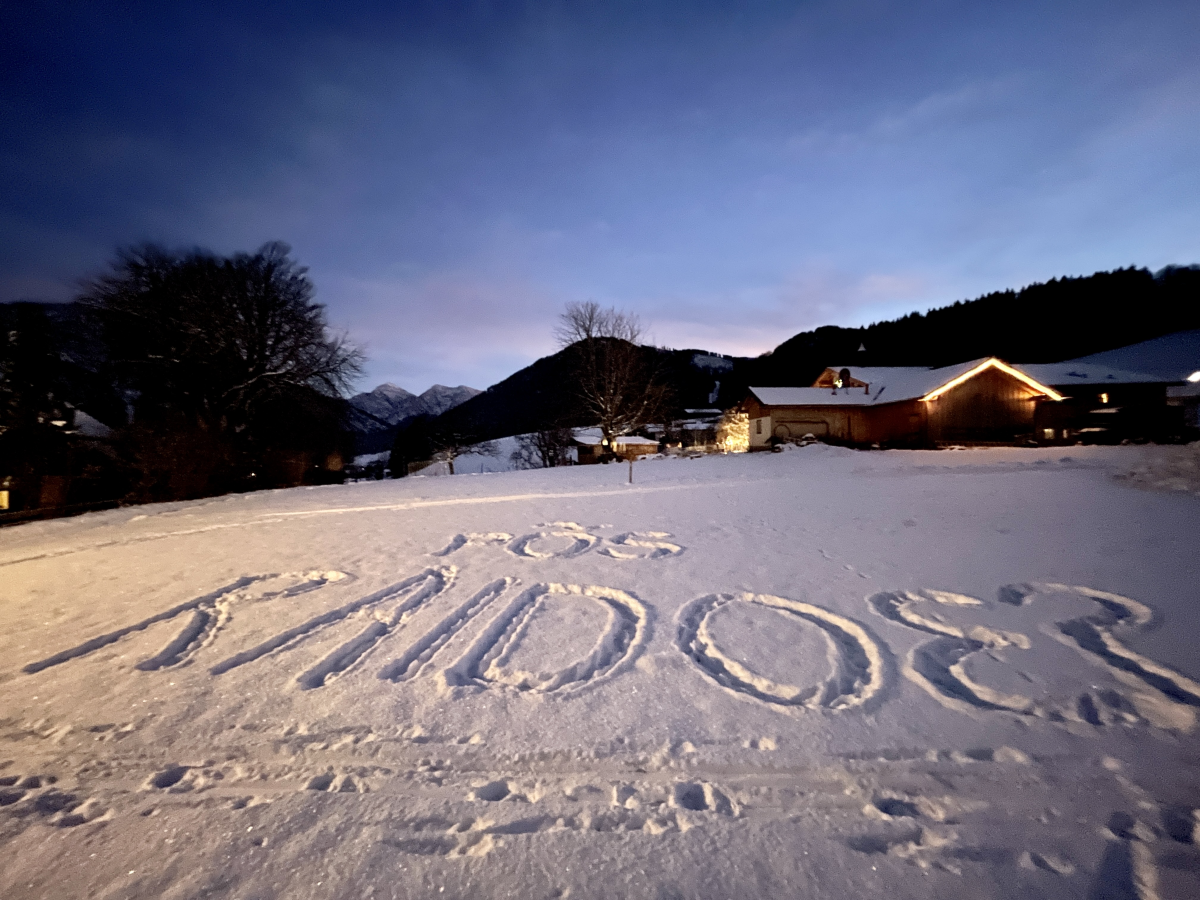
x=1104, y=398
x=1048, y=433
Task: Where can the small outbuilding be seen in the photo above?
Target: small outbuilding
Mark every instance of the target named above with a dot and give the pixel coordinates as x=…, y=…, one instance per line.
x=590, y=446
x=631, y=446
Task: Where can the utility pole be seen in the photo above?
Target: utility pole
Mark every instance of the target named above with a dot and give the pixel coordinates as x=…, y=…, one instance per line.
x=631, y=470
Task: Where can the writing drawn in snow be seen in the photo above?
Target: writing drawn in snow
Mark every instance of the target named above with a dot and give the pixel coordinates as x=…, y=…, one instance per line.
x=554, y=637
x=816, y=659
x=204, y=618
x=641, y=545
x=566, y=540
x=1050, y=651
x=409, y=595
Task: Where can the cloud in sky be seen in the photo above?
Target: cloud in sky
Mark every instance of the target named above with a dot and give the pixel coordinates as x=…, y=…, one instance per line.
x=453, y=174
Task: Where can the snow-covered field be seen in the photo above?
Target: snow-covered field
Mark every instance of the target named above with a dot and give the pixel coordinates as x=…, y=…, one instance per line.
x=811, y=674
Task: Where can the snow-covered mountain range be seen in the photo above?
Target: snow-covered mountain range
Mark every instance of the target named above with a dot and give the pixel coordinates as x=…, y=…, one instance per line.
x=391, y=404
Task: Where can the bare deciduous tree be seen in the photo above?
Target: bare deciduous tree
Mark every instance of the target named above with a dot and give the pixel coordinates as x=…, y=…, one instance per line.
x=227, y=363
x=542, y=449
x=450, y=445
x=588, y=321
x=215, y=337
x=618, y=384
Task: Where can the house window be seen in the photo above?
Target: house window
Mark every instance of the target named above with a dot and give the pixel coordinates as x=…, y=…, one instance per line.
x=1104, y=398
x=758, y=426
x=1048, y=433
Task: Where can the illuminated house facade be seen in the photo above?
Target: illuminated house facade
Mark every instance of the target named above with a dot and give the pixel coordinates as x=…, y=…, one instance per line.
x=985, y=401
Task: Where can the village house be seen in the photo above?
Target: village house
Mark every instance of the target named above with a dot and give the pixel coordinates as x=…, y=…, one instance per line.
x=984, y=401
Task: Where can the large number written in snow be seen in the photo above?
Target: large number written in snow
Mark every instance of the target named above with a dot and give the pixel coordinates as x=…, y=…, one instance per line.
x=1049, y=651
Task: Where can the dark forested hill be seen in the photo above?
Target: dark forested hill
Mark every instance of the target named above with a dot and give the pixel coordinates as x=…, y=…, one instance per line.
x=1061, y=319
x=544, y=393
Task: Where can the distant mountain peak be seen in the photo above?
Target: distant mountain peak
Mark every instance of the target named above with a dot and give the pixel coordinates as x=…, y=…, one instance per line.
x=387, y=389
x=440, y=398
x=393, y=404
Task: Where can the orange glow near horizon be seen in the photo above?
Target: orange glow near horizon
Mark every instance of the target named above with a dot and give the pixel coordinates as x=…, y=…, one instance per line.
x=992, y=363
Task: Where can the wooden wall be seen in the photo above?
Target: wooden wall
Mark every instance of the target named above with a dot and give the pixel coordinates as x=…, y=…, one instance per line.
x=992, y=407
x=895, y=424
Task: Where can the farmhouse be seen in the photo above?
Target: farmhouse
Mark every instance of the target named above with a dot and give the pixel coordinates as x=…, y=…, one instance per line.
x=986, y=401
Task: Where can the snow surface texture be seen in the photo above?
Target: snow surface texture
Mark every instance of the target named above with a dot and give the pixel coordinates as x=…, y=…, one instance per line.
x=818, y=673
x=1170, y=468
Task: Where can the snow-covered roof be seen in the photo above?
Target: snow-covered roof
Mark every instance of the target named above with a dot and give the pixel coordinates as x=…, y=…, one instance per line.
x=634, y=440
x=593, y=437
x=1172, y=357
x=885, y=384
x=90, y=427
x=1065, y=374
x=590, y=436
x=890, y=384
x=810, y=396
x=885, y=374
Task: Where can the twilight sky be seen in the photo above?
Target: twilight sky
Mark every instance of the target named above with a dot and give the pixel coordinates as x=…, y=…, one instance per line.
x=735, y=172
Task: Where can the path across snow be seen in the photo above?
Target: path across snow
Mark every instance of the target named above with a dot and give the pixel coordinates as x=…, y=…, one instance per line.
x=820, y=673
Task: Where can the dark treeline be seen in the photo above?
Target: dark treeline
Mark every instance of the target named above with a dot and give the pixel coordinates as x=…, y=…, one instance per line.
x=173, y=376
x=1062, y=319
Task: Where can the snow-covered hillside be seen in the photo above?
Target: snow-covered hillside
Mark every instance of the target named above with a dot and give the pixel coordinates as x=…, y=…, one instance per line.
x=817, y=673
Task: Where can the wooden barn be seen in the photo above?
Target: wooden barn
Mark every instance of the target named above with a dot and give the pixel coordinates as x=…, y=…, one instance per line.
x=985, y=401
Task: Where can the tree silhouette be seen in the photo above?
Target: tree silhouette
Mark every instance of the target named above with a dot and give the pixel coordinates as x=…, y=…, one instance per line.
x=210, y=349
x=617, y=380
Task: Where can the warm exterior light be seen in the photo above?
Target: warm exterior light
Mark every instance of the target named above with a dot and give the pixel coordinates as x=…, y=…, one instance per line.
x=1104, y=398
x=733, y=432
x=1194, y=377
x=993, y=363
